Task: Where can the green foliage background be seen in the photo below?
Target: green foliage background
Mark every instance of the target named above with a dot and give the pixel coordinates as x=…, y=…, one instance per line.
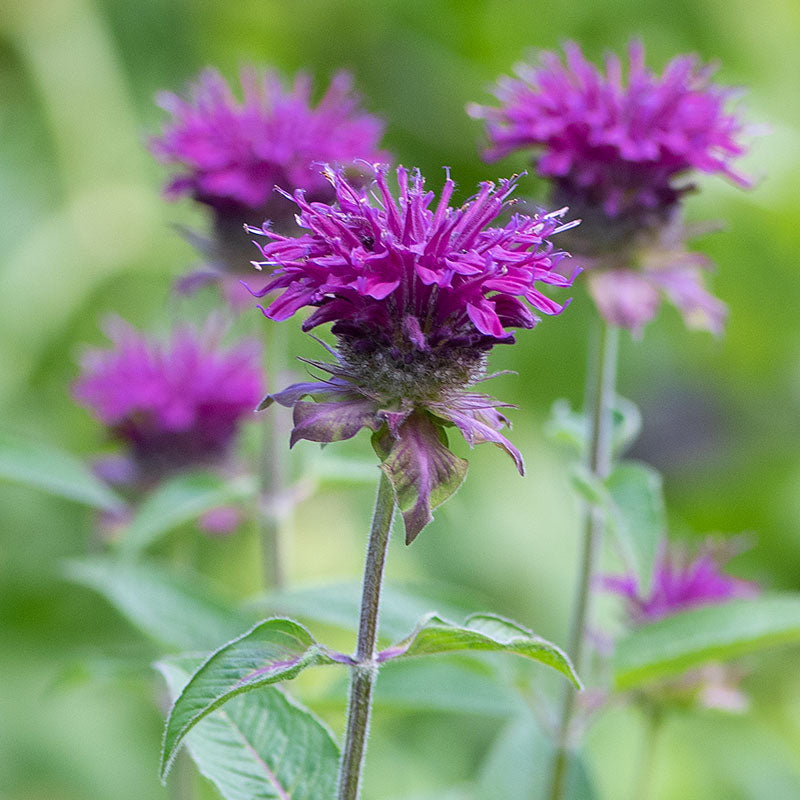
x=83, y=232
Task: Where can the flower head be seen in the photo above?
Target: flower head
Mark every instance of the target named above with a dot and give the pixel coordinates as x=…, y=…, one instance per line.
x=620, y=152
x=417, y=294
x=176, y=404
x=680, y=582
x=619, y=145
x=232, y=155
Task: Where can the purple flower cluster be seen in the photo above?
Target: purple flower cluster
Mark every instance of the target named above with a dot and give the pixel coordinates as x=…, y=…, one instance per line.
x=176, y=404
x=680, y=582
x=620, y=153
x=403, y=275
x=232, y=155
x=417, y=295
x=611, y=143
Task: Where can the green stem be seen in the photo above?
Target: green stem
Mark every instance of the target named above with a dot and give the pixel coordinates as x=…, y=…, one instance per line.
x=275, y=507
x=182, y=784
x=603, y=377
x=647, y=760
x=365, y=671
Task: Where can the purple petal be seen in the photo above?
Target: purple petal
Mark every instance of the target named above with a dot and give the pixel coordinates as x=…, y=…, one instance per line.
x=422, y=470
x=333, y=422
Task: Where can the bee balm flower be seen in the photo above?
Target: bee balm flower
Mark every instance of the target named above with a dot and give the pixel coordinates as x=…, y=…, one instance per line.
x=417, y=294
x=680, y=582
x=620, y=153
x=230, y=156
x=176, y=404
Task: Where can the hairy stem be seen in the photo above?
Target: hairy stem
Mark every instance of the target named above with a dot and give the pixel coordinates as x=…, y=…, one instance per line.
x=602, y=379
x=365, y=671
x=275, y=507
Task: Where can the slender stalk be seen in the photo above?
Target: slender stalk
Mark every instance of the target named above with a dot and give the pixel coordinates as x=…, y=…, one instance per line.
x=275, y=507
x=182, y=784
x=602, y=374
x=644, y=776
x=365, y=670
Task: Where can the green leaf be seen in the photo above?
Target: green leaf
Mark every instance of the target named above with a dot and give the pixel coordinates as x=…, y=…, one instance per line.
x=339, y=604
x=520, y=761
x=274, y=650
x=589, y=486
x=710, y=633
x=54, y=471
x=261, y=747
x=484, y=632
x=570, y=428
x=566, y=427
x=422, y=470
x=179, y=501
x=182, y=611
x=637, y=517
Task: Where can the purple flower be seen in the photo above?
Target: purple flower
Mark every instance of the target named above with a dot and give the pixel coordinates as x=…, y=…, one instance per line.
x=176, y=404
x=630, y=298
x=680, y=582
x=618, y=144
x=417, y=294
x=232, y=155
x=620, y=153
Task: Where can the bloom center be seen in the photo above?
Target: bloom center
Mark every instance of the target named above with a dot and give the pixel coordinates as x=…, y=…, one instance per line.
x=407, y=374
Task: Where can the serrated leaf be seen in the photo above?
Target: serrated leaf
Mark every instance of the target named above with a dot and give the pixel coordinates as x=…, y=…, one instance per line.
x=637, y=516
x=265, y=746
x=180, y=610
x=54, y=471
x=339, y=604
x=519, y=762
x=274, y=650
x=178, y=501
x=481, y=632
x=718, y=632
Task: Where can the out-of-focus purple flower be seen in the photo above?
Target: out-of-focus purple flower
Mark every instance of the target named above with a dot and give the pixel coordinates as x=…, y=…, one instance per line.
x=630, y=298
x=221, y=521
x=175, y=404
x=621, y=152
x=231, y=155
x=680, y=581
x=617, y=144
x=417, y=295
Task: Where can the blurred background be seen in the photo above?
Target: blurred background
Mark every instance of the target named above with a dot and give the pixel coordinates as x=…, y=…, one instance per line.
x=84, y=232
